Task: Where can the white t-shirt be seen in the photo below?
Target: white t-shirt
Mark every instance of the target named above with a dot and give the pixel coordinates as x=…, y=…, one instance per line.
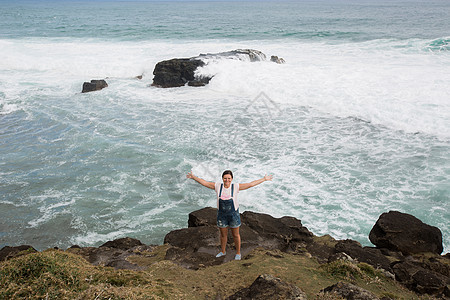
x=226, y=193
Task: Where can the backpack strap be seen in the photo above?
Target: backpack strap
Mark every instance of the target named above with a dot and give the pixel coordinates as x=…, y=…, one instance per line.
x=232, y=189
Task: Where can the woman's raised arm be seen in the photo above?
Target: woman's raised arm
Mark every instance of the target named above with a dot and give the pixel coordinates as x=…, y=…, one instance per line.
x=203, y=182
x=244, y=186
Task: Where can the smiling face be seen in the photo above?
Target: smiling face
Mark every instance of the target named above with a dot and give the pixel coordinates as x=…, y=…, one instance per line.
x=227, y=180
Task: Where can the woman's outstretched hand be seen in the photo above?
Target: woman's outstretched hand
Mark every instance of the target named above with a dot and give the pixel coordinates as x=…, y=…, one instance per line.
x=268, y=177
x=190, y=175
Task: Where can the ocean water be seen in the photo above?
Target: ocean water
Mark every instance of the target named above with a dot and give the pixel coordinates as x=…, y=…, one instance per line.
x=354, y=124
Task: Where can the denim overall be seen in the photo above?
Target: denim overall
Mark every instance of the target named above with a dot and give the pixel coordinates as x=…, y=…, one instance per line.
x=227, y=215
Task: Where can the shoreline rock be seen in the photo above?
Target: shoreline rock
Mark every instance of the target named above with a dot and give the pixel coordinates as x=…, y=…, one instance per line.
x=195, y=247
x=178, y=72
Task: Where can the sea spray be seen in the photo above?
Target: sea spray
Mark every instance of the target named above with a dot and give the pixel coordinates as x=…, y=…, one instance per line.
x=356, y=121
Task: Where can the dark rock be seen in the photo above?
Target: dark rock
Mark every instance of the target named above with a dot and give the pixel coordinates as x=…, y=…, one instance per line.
x=181, y=71
x=176, y=72
x=123, y=243
x=322, y=248
x=194, y=238
x=277, y=59
x=367, y=255
x=8, y=252
x=340, y=256
x=350, y=291
x=403, y=232
x=193, y=259
x=113, y=253
x=257, y=230
x=286, y=233
x=269, y=287
x=415, y=277
x=94, y=85
x=203, y=217
x=199, y=81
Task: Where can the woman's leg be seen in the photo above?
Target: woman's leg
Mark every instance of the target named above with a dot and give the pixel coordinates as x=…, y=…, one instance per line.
x=223, y=238
x=236, y=239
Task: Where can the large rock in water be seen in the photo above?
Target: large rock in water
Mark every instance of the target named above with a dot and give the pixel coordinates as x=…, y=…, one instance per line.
x=403, y=232
x=94, y=85
x=177, y=72
x=181, y=71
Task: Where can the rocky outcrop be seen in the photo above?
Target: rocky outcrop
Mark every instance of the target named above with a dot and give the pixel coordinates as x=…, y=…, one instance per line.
x=349, y=291
x=113, y=253
x=181, y=71
x=178, y=72
x=269, y=287
x=198, y=244
x=94, y=85
x=195, y=247
x=419, y=277
x=403, y=232
x=371, y=256
x=8, y=252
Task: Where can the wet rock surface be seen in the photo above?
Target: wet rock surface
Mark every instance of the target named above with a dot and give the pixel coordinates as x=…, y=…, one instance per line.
x=177, y=72
x=94, y=85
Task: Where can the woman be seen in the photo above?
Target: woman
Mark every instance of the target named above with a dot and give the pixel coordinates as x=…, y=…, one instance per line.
x=228, y=206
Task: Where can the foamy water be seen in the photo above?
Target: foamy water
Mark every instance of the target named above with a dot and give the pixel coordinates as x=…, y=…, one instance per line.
x=349, y=129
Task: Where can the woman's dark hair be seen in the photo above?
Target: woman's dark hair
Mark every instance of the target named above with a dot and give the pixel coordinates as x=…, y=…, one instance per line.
x=227, y=172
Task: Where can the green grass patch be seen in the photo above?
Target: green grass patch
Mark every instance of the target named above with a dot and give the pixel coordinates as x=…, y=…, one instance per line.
x=57, y=274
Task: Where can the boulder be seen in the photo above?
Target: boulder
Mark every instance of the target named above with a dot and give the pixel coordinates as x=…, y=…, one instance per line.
x=419, y=279
x=349, y=291
x=269, y=287
x=125, y=243
x=403, y=232
x=203, y=217
x=286, y=234
x=94, y=85
x=8, y=252
x=177, y=72
x=367, y=255
x=113, y=253
x=277, y=59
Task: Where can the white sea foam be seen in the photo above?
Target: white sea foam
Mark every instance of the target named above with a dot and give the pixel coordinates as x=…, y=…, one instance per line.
x=332, y=137
x=378, y=81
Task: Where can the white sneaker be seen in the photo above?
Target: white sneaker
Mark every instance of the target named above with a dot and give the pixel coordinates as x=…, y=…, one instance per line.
x=220, y=254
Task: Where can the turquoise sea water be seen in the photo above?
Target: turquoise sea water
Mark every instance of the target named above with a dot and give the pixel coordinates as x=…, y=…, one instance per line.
x=354, y=124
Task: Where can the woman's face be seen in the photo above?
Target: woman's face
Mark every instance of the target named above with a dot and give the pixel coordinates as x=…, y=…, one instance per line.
x=227, y=180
